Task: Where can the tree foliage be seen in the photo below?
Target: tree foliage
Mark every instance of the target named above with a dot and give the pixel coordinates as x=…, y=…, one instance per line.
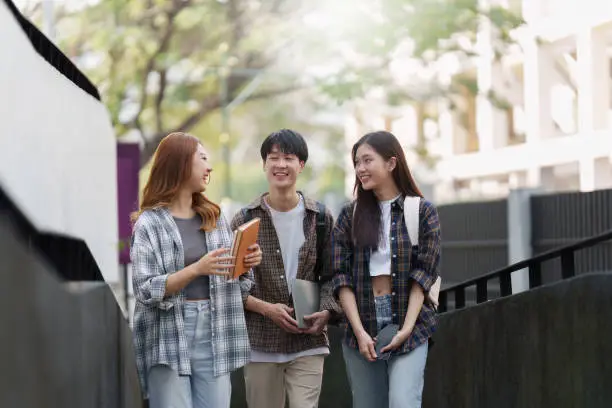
x=159, y=63
x=401, y=46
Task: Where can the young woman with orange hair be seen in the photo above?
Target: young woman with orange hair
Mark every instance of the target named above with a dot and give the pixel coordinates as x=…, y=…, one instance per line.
x=189, y=326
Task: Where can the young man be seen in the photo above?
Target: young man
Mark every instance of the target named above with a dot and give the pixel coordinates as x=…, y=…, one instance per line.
x=287, y=361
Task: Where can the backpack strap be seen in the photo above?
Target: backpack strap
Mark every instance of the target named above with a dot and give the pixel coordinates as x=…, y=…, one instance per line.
x=411, y=218
x=320, y=232
x=412, y=209
x=246, y=214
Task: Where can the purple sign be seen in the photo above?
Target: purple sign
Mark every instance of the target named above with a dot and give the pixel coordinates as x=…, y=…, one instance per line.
x=128, y=167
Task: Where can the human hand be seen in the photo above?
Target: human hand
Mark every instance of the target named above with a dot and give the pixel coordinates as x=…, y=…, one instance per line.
x=254, y=257
x=317, y=322
x=214, y=264
x=366, y=346
x=400, y=338
x=281, y=315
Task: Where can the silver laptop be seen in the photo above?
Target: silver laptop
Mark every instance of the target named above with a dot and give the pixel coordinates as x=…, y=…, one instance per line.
x=306, y=297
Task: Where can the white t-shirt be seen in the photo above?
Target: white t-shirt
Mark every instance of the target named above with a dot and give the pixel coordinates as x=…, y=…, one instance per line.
x=289, y=226
x=380, y=260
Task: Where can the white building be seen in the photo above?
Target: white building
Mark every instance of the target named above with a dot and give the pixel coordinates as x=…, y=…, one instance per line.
x=552, y=128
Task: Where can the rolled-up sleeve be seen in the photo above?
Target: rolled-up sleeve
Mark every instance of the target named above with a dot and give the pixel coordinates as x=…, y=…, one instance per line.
x=247, y=280
x=342, y=251
x=148, y=277
x=427, y=263
x=328, y=302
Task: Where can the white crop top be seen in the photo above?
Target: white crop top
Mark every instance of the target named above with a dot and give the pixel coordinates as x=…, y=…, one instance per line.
x=380, y=260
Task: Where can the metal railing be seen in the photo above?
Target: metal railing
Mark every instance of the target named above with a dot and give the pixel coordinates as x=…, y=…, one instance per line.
x=534, y=266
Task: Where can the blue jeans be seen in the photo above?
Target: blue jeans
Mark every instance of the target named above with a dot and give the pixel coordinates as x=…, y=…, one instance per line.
x=394, y=383
x=201, y=389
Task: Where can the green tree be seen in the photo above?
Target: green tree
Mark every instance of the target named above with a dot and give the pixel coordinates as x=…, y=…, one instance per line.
x=364, y=38
x=159, y=64
x=402, y=49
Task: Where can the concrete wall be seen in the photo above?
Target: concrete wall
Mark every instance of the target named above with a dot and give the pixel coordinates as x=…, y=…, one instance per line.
x=57, y=149
x=547, y=347
x=62, y=344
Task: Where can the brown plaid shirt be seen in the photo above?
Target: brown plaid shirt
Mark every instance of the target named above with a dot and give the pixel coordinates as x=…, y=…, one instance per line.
x=270, y=282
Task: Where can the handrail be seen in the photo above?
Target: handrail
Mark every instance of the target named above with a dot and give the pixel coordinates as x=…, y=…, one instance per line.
x=534, y=264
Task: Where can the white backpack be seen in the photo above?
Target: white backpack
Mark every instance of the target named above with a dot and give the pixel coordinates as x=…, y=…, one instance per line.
x=412, y=220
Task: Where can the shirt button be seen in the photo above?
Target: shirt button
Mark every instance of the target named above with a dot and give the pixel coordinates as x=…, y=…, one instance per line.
x=392, y=238
x=282, y=277
x=393, y=275
x=392, y=293
x=277, y=251
x=394, y=255
x=394, y=314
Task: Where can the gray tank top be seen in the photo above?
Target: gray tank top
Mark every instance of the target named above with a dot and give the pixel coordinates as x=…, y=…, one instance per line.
x=194, y=245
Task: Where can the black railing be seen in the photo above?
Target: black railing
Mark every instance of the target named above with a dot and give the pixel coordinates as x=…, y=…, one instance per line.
x=534, y=265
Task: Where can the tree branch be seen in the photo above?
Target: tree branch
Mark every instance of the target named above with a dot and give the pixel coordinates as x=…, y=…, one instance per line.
x=207, y=106
x=234, y=16
x=159, y=100
x=163, y=47
x=237, y=32
x=31, y=9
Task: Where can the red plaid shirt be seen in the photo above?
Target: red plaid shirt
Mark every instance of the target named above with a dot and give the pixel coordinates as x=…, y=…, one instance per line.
x=351, y=268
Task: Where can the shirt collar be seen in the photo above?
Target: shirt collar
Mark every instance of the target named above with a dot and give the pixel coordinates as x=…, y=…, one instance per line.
x=309, y=204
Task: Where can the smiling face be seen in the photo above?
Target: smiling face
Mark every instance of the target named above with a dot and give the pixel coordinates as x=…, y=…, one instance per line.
x=282, y=169
x=200, y=171
x=371, y=169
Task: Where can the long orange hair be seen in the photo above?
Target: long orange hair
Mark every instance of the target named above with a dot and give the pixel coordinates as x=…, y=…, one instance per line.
x=172, y=165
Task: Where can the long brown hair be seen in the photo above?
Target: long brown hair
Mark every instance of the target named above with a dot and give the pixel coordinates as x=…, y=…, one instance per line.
x=171, y=168
x=367, y=227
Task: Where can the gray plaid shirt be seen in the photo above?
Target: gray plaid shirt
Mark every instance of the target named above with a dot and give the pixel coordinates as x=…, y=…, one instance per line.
x=159, y=331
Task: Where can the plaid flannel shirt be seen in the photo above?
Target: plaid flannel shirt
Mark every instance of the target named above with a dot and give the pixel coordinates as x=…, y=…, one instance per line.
x=158, y=328
x=270, y=282
x=351, y=268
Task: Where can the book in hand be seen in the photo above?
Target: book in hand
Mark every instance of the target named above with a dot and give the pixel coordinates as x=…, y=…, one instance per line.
x=383, y=338
x=244, y=236
x=306, y=297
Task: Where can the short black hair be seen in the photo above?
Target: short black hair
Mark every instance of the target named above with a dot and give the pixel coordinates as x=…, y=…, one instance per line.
x=288, y=141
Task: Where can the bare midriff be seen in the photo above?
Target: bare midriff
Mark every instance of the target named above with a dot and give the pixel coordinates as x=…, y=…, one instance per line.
x=381, y=285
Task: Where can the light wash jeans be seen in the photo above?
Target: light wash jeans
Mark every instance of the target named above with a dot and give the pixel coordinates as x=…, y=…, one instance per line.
x=202, y=389
x=394, y=383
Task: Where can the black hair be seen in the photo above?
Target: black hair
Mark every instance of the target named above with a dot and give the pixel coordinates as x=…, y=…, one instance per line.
x=288, y=141
x=367, y=226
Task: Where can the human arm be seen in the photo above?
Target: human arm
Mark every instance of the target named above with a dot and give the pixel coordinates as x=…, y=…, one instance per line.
x=423, y=273
x=247, y=280
x=153, y=285
x=329, y=310
x=349, y=305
